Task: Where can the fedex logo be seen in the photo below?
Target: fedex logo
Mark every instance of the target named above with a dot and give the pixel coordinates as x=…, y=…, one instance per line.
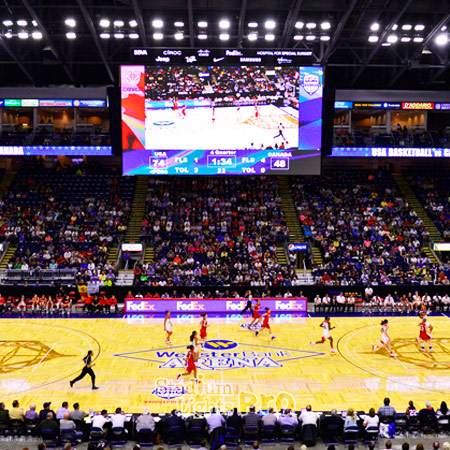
x=190, y=306
x=290, y=305
x=140, y=306
x=234, y=305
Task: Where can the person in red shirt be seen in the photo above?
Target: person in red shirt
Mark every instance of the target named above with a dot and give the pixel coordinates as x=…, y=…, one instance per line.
x=203, y=327
x=113, y=303
x=87, y=303
x=256, y=315
x=102, y=304
x=2, y=303
x=66, y=305
x=265, y=324
x=191, y=359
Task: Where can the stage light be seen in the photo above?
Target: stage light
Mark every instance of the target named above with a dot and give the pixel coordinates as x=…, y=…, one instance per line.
x=252, y=37
x=34, y=23
x=444, y=28
x=299, y=25
x=253, y=24
x=392, y=38
x=269, y=37
x=325, y=25
x=405, y=39
x=8, y=35
x=179, y=23
x=407, y=27
x=386, y=44
x=270, y=24
x=178, y=36
x=119, y=35
x=119, y=23
x=325, y=38
x=311, y=25
x=224, y=36
x=418, y=39
x=157, y=23
x=105, y=23
x=105, y=35
x=133, y=36
x=8, y=23
x=36, y=35
x=373, y=38
x=202, y=36
x=133, y=23
x=394, y=27
x=310, y=37
x=298, y=37
x=22, y=35
x=375, y=26
x=157, y=36
x=71, y=35
x=22, y=23
x=441, y=39
x=202, y=24
x=224, y=24
x=70, y=22
x=419, y=27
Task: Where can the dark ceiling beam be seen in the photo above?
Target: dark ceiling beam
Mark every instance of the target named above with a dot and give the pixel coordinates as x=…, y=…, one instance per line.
x=383, y=37
x=90, y=25
x=48, y=39
x=439, y=73
x=16, y=60
x=290, y=22
x=339, y=29
x=421, y=47
x=241, y=23
x=191, y=23
x=140, y=21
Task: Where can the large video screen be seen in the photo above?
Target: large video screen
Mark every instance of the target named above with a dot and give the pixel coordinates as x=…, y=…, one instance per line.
x=213, y=120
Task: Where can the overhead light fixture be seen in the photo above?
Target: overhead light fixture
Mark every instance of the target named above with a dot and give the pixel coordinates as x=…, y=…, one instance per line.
x=373, y=38
x=269, y=37
x=36, y=35
x=133, y=36
x=418, y=39
x=311, y=25
x=253, y=24
x=34, y=23
x=375, y=26
x=386, y=44
x=202, y=24
x=157, y=23
x=202, y=36
x=70, y=22
x=310, y=37
x=224, y=24
x=8, y=23
x=270, y=24
x=22, y=23
x=325, y=25
x=325, y=38
x=299, y=24
x=178, y=36
x=252, y=37
x=444, y=28
x=105, y=35
x=157, y=36
x=224, y=36
x=406, y=27
x=105, y=23
x=119, y=35
x=419, y=27
x=71, y=35
x=392, y=38
x=179, y=23
x=119, y=23
x=133, y=23
x=394, y=27
x=22, y=35
x=298, y=37
x=8, y=35
x=405, y=39
x=441, y=39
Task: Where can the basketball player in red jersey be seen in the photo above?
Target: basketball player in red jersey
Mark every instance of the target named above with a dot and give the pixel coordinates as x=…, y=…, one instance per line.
x=425, y=332
x=175, y=104
x=203, y=327
x=265, y=324
x=183, y=111
x=256, y=315
x=256, y=111
x=191, y=358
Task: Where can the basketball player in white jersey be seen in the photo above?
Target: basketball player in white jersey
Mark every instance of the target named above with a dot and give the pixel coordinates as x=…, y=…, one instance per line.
x=385, y=340
x=325, y=334
x=168, y=327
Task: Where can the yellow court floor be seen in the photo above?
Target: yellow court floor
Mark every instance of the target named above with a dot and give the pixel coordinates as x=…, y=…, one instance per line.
x=135, y=368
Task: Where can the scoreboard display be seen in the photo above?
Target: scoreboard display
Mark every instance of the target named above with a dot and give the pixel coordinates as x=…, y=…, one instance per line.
x=227, y=112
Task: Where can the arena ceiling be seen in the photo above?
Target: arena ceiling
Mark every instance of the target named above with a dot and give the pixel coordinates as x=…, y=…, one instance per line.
x=397, y=44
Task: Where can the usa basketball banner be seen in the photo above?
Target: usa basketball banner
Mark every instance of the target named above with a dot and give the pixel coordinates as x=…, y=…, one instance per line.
x=223, y=305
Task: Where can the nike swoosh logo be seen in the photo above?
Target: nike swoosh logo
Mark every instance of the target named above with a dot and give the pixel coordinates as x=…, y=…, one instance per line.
x=218, y=59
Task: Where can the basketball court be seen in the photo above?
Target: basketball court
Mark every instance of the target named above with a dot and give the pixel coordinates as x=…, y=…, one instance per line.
x=135, y=368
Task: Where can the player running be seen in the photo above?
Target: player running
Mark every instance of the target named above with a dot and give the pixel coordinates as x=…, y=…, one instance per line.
x=326, y=325
x=265, y=324
x=425, y=332
x=191, y=359
x=256, y=316
x=168, y=327
x=280, y=132
x=385, y=340
x=203, y=327
x=195, y=342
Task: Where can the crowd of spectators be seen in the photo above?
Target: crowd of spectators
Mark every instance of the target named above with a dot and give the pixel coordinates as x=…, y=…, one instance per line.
x=66, y=219
x=215, y=428
x=366, y=230
x=214, y=231
x=238, y=84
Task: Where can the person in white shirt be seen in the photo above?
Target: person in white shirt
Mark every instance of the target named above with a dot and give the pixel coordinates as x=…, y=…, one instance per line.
x=351, y=301
x=317, y=303
x=389, y=303
x=308, y=417
x=61, y=411
x=118, y=419
x=437, y=301
x=340, y=300
x=215, y=420
x=371, y=420
x=326, y=303
x=445, y=302
x=99, y=420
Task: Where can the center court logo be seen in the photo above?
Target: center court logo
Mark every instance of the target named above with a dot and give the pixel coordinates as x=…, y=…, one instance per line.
x=220, y=344
x=311, y=83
